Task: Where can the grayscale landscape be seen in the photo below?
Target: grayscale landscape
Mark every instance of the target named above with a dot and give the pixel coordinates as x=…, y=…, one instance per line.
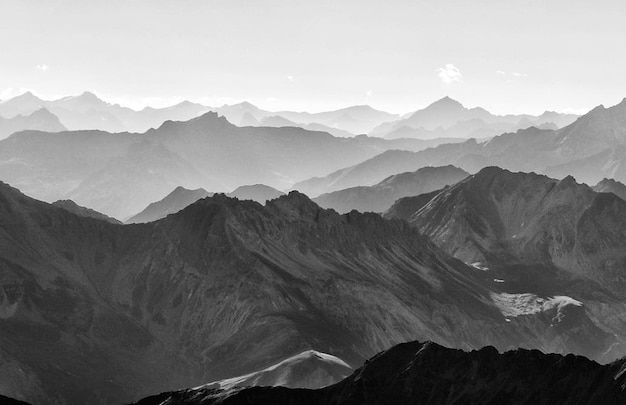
x=272, y=202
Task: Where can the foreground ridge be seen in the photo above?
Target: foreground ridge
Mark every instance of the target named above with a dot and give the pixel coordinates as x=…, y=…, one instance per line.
x=427, y=373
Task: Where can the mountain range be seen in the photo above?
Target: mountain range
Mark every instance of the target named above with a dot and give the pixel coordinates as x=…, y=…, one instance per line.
x=92, y=309
x=590, y=149
x=381, y=196
x=447, y=118
x=120, y=174
x=181, y=198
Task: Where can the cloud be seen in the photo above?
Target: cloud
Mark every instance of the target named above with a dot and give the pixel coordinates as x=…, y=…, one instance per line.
x=42, y=67
x=511, y=76
x=291, y=78
x=450, y=74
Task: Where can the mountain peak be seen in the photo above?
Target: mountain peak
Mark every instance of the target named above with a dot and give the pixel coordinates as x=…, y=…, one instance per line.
x=446, y=102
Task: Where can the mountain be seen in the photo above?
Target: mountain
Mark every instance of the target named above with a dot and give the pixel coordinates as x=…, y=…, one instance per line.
x=225, y=288
x=343, y=122
x=278, y=121
x=572, y=150
x=87, y=111
x=380, y=197
x=611, y=186
x=309, y=369
x=449, y=118
x=40, y=120
x=120, y=174
x=503, y=219
x=175, y=201
x=359, y=119
x=427, y=373
x=257, y=192
x=74, y=208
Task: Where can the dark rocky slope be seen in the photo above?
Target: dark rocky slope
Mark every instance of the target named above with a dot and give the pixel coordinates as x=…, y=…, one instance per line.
x=426, y=373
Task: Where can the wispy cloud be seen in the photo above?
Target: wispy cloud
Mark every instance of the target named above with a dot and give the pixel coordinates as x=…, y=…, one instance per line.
x=511, y=76
x=42, y=67
x=291, y=78
x=449, y=74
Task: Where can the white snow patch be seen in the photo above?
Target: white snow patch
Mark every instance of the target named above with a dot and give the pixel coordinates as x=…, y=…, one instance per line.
x=479, y=266
x=513, y=305
x=233, y=382
x=498, y=280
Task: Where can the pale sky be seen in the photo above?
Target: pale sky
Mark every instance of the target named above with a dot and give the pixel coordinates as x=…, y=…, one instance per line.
x=509, y=56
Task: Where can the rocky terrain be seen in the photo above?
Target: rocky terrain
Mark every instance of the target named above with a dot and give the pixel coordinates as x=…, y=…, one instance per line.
x=427, y=373
x=92, y=309
x=74, y=208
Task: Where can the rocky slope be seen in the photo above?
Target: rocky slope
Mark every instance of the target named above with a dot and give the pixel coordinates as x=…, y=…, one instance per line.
x=427, y=373
x=381, y=196
x=504, y=218
x=225, y=288
x=74, y=208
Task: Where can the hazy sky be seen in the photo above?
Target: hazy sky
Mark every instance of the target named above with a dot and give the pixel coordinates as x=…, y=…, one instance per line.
x=508, y=56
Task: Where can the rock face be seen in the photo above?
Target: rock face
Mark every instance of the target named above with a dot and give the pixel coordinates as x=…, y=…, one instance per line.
x=381, y=196
x=175, y=201
x=506, y=218
x=427, y=373
x=225, y=288
x=256, y=192
x=72, y=207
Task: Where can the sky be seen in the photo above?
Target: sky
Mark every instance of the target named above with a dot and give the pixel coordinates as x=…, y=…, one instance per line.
x=509, y=56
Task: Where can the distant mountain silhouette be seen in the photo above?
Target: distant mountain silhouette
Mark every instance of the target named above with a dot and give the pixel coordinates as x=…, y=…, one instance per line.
x=381, y=196
x=430, y=374
x=120, y=174
x=449, y=118
x=257, y=192
x=87, y=111
x=611, y=186
x=590, y=149
x=175, y=201
x=40, y=120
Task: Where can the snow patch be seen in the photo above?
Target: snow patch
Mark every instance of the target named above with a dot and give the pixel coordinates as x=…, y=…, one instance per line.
x=479, y=266
x=498, y=280
x=513, y=305
x=287, y=363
